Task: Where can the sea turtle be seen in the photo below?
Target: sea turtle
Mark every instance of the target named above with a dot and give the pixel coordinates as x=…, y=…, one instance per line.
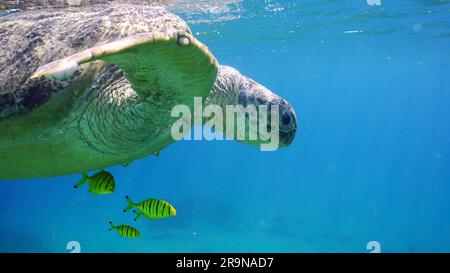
x=86, y=88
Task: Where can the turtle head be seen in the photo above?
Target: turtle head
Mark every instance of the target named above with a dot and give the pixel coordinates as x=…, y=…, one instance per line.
x=233, y=88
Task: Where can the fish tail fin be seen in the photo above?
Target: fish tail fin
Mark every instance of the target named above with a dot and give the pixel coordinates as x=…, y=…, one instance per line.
x=83, y=180
x=138, y=214
x=131, y=204
x=111, y=226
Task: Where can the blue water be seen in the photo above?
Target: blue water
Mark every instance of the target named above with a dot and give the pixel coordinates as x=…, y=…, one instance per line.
x=371, y=160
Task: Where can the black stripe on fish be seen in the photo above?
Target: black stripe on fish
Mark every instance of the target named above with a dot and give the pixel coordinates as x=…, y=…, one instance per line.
x=97, y=182
x=102, y=180
x=131, y=232
x=151, y=208
x=144, y=206
x=109, y=183
x=164, y=209
x=161, y=208
x=155, y=207
x=100, y=177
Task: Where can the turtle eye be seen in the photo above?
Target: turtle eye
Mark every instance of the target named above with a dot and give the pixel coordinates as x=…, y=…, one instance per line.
x=286, y=118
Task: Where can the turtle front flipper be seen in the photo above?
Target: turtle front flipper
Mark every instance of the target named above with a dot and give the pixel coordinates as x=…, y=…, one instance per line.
x=171, y=61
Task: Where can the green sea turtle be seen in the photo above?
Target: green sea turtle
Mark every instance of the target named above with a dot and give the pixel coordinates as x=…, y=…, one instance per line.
x=86, y=88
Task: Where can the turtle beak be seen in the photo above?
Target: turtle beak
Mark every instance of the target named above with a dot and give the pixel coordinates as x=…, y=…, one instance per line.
x=287, y=138
x=288, y=124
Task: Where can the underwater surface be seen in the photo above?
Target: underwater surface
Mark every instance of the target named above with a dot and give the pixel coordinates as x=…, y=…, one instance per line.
x=371, y=161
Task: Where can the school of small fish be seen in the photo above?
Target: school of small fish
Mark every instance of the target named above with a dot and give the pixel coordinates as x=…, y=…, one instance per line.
x=103, y=182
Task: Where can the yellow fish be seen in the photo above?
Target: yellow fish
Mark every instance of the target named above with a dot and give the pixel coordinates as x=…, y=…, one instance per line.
x=151, y=208
x=100, y=183
x=125, y=231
